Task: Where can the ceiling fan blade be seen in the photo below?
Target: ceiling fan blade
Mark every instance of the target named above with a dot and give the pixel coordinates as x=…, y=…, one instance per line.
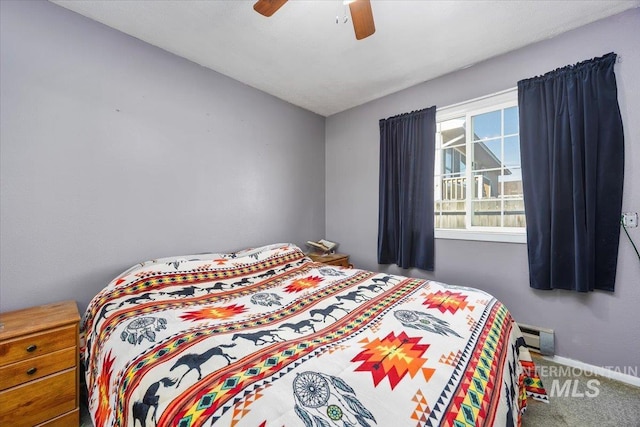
x=268, y=7
x=362, y=17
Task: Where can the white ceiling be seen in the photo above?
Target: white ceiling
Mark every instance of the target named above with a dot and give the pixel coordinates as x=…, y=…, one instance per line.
x=302, y=56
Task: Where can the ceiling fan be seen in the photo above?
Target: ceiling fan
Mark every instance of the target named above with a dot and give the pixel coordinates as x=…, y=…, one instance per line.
x=361, y=14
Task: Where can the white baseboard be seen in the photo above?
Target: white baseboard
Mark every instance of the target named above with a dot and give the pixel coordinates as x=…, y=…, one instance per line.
x=614, y=374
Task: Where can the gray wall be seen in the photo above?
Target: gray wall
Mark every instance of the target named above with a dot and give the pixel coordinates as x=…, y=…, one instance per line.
x=600, y=328
x=115, y=152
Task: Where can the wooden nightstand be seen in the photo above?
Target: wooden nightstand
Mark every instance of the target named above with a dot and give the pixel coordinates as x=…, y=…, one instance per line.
x=341, y=260
x=39, y=366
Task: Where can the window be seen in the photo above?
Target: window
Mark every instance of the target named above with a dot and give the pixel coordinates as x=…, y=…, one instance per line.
x=478, y=180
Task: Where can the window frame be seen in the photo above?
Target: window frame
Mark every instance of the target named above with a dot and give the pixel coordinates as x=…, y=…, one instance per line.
x=496, y=101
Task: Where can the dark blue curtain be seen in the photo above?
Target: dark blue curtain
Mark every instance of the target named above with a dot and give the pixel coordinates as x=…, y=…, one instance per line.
x=405, y=215
x=572, y=149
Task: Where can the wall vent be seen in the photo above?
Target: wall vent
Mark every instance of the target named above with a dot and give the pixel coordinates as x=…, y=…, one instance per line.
x=538, y=339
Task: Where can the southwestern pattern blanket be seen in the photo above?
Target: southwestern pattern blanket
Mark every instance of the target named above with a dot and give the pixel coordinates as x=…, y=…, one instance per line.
x=267, y=337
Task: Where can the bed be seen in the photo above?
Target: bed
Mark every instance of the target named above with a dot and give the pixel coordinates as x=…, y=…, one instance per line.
x=268, y=337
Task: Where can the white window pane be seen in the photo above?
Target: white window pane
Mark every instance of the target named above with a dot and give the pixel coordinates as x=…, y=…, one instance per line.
x=454, y=160
x=450, y=214
x=453, y=187
x=512, y=182
x=452, y=131
x=514, y=213
x=487, y=125
x=512, y=151
x=487, y=154
x=486, y=213
x=511, y=121
x=486, y=184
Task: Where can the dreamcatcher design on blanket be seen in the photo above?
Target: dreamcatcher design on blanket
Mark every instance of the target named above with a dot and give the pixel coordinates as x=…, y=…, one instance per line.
x=322, y=400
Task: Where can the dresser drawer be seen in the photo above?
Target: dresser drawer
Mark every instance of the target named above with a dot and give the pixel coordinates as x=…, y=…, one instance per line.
x=70, y=419
x=36, y=367
x=37, y=344
x=38, y=401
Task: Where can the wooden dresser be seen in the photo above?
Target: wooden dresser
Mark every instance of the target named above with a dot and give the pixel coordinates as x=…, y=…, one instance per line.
x=39, y=366
x=341, y=260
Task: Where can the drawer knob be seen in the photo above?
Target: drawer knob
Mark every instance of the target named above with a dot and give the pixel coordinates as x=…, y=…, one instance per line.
x=32, y=348
x=32, y=371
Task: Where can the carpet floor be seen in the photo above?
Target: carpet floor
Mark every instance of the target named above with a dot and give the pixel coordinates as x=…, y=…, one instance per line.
x=577, y=399
x=581, y=399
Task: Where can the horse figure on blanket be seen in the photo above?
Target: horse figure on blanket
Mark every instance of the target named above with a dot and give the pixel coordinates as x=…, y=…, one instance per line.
x=150, y=400
x=243, y=281
x=104, y=310
x=266, y=274
x=326, y=312
x=218, y=286
x=297, y=327
x=187, y=291
x=372, y=288
x=385, y=279
x=355, y=296
x=136, y=299
x=259, y=337
x=195, y=361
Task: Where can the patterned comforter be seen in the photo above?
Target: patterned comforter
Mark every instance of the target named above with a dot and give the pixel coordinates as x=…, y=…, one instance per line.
x=267, y=337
